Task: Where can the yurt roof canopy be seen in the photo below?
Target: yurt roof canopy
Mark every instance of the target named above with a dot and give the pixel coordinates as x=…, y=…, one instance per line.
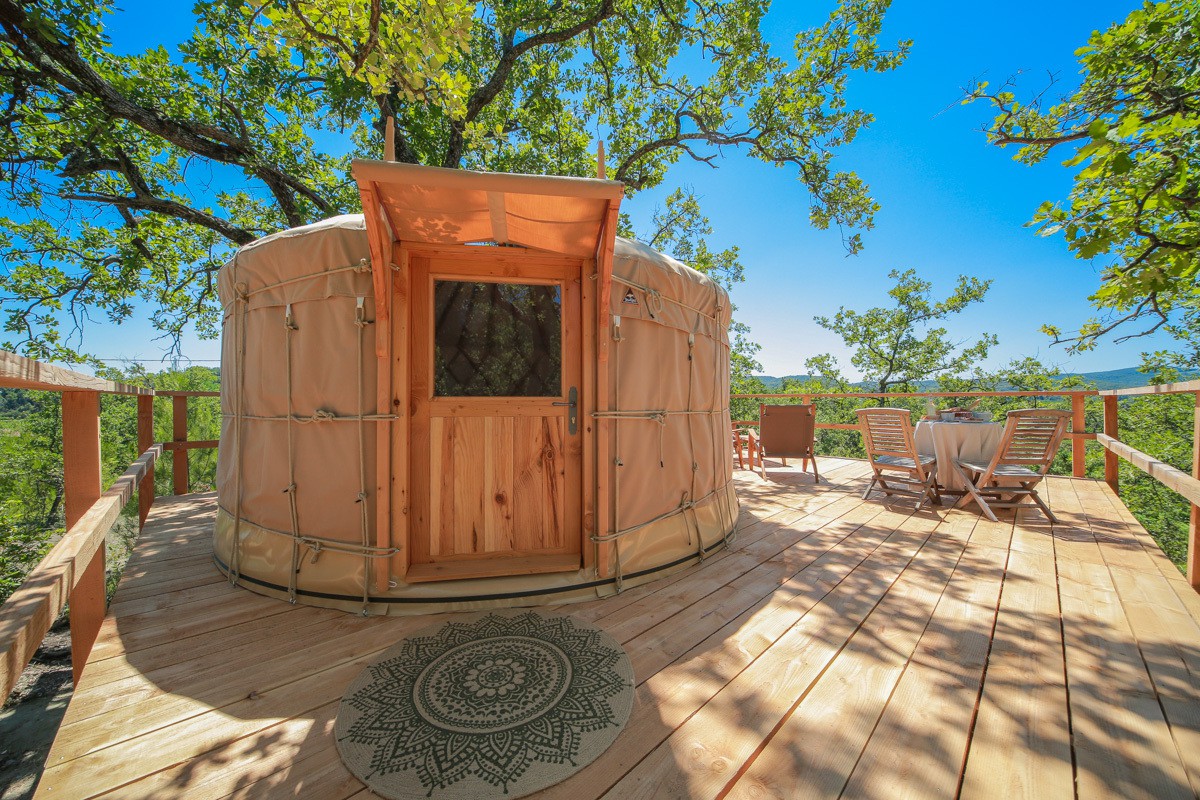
x=452, y=206
x=412, y=203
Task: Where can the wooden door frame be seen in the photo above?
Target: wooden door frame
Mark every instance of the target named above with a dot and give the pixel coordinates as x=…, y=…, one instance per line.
x=487, y=264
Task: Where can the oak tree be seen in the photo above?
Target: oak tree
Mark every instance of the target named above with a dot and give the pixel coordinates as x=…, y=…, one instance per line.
x=130, y=174
x=897, y=346
x=1132, y=132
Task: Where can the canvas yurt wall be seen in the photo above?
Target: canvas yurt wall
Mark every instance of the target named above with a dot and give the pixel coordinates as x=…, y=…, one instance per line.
x=330, y=487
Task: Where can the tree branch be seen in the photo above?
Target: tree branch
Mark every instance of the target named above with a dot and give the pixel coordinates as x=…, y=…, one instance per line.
x=61, y=60
x=486, y=93
x=172, y=208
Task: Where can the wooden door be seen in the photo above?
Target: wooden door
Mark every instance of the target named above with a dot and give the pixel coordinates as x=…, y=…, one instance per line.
x=496, y=454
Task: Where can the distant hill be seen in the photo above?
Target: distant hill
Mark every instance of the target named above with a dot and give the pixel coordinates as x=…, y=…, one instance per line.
x=774, y=384
x=1108, y=379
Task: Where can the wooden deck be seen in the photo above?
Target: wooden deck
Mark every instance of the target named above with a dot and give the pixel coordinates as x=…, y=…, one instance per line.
x=840, y=648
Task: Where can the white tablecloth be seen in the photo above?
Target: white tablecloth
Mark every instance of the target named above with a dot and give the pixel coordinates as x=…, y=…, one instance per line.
x=948, y=441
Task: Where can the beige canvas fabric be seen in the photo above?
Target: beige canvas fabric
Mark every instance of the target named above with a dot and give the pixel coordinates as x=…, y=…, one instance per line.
x=296, y=469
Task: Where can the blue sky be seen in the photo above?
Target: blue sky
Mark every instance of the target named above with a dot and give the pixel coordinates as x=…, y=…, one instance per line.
x=951, y=204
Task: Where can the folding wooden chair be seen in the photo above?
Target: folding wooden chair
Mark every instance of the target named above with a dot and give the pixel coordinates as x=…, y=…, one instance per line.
x=1027, y=448
x=786, y=432
x=888, y=437
x=741, y=435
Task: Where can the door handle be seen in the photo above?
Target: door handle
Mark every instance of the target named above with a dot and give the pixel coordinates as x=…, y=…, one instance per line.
x=572, y=405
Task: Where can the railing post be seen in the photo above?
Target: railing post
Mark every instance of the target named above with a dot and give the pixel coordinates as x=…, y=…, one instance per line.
x=1078, y=451
x=179, y=457
x=1111, y=429
x=81, y=488
x=145, y=438
x=1193, y=556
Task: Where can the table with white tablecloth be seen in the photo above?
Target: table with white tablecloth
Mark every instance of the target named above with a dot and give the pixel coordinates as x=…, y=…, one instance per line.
x=950, y=441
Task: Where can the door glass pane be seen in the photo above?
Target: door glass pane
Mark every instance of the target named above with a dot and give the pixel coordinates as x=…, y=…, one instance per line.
x=497, y=339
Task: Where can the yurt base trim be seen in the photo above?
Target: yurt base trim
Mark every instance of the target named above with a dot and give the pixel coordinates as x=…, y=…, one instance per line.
x=479, y=598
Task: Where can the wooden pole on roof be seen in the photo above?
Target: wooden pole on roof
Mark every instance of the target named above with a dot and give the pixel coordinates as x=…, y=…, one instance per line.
x=600, y=159
x=389, y=140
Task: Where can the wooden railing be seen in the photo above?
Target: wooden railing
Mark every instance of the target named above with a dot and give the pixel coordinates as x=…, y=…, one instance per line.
x=74, y=571
x=1077, y=434
x=1174, y=479
x=1188, y=486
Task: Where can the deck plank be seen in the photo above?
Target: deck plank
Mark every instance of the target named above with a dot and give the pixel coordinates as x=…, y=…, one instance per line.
x=819, y=742
x=839, y=647
x=1021, y=744
x=703, y=753
x=918, y=748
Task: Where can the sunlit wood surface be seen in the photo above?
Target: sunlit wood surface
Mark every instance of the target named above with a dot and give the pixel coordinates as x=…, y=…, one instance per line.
x=841, y=648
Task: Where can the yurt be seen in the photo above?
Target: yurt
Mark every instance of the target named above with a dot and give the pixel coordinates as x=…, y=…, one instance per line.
x=472, y=395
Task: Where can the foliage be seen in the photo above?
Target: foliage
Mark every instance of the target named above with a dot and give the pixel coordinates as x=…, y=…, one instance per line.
x=31, y=486
x=1134, y=123
x=895, y=347
x=130, y=176
x=1162, y=427
x=15, y=403
x=1183, y=360
x=204, y=422
x=404, y=50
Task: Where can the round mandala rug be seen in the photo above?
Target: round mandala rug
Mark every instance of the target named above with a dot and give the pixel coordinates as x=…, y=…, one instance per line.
x=497, y=705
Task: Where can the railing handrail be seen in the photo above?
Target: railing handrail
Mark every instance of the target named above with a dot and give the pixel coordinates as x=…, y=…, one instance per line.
x=1077, y=435
x=30, y=611
x=18, y=372
x=1182, y=387
x=1005, y=393
x=1178, y=481
x=73, y=561
x=73, y=571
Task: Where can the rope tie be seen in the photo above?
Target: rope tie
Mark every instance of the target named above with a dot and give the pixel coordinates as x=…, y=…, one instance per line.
x=322, y=543
x=360, y=321
x=242, y=303
x=662, y=430
x=245, y=293
x=684, y=505
x=691, y=393
x=654, y=303
x=320, y=415
x=619, y=571
x=695, y=521
x=672, y=300
x=655, y=414
x=290, y=327
x=616, y=492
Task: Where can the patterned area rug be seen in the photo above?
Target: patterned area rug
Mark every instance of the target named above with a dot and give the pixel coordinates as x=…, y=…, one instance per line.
x=498, y=705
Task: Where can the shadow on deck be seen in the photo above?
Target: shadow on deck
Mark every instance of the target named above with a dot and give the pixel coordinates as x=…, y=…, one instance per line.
x=841, y=647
